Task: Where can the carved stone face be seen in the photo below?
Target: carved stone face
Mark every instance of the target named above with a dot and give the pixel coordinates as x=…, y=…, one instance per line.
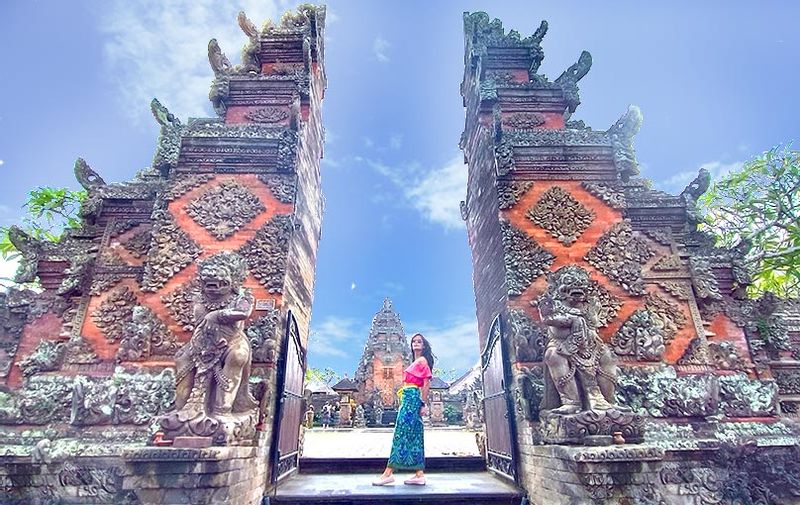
x=571, y=285
x=216, y=282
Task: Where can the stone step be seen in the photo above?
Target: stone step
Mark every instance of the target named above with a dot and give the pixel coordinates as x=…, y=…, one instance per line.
x=450, y=488
x=376, y=465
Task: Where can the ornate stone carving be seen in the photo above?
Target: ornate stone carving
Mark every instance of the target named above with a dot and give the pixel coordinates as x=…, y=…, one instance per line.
x=263, y=336
x=46, y=357
x=115, y=312
x=169, y=141
x=184, y=184
x=668, y=315
x=668, y=263
x=662, y=235
x=287, y=151
x=612, y=195
x=212, y=396
x=581, y=373
x=561, y=215
x=172, y=250
x=180, y=303
x=138, y=244
x=688, y=396
x=696, y=353
x=569, y=80
x=575, y=428
x=726, y=356
x=527, y=337
x=15, y=308
x=269, y=115
x=704, y=280
x=78, y=351
x=621, y=135
x=144, y=336
x=742, y=397
x=641, y=336
x=524, y=120
x=788, y=381
x=225, y=209
x=693, y=191
x=525, y=260
x=606, y=304
x=619, y=255
x=504, y=156
x=283, y=187
x=43, y=399
x=266, y=252
x=679, y=290
x=766, y=328
x=509, y=192
x=529, y=392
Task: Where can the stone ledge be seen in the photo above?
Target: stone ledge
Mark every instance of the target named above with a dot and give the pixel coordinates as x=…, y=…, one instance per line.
x=188, y=454
x=607, y=454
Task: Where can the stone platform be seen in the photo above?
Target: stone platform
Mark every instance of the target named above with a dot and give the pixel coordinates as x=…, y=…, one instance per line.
x=451, y=488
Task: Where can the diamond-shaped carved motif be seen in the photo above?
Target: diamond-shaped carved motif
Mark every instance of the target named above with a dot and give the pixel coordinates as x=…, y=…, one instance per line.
x=619, y=255
x=525, y=260
x=608, y=305
x=561, y=215
x=225, y=209
x=180, y=303
x=138, y=244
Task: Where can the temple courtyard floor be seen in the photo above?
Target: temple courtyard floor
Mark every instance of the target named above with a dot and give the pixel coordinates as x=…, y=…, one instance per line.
x=377, y=442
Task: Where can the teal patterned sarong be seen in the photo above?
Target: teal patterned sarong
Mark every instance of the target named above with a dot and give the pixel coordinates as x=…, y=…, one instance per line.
x=408, y=444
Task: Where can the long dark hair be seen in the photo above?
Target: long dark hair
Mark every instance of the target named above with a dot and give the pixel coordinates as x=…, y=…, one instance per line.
x=426, y=350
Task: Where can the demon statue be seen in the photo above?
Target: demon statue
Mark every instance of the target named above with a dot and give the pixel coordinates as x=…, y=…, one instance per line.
x=212, y=397
x=580, y=381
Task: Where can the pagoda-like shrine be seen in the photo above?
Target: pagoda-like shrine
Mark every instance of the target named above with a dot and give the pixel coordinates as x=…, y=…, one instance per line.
x=386, y=354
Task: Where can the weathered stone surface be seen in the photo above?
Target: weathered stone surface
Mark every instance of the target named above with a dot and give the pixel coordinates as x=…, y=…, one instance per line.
x=225, y=209
x=525, y=260
x=561, y=215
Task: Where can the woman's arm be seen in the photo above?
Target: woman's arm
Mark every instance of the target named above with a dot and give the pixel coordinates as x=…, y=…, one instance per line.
x=424, y=390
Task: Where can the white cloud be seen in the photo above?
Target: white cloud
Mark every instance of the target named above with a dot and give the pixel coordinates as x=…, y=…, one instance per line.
x=455, y=342
x=367, y=142
x=678, y=182
x=159, y=49
x=2, y=162
x=8, y=269
x=379, y=47
x=396, y=141
x=336, y=336
x=438, y=195
x=352, y=286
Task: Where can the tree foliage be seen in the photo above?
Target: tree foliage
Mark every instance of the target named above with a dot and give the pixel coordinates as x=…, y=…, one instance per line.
x=327, y=375
x=49, y=211
x=757, y=208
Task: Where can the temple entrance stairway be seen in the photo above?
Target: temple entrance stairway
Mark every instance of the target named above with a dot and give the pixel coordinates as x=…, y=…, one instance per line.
x=450, y=480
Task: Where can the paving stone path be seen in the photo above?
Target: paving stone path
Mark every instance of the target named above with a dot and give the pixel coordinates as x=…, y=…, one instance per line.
x=377, y=442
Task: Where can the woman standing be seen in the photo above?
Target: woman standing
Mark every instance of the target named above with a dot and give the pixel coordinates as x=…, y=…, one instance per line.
x=408, y=444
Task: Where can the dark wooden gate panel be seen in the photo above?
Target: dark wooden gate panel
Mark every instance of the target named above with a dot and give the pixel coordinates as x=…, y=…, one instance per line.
x=288, y=414
x=498, y=410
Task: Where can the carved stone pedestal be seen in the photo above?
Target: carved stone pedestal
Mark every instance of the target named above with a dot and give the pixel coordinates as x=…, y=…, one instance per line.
x=230, y=475
x=591, y=427
x=224, y=429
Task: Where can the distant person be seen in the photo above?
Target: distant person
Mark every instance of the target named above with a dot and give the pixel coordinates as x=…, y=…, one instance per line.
x=310, y=416
x=408, y=444
x=326, y=415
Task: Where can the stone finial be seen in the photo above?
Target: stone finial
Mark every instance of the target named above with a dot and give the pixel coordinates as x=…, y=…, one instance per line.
x=621, y=135
x=87, y=177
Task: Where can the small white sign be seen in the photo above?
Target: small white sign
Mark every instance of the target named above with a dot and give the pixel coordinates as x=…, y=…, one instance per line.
x=268, y=304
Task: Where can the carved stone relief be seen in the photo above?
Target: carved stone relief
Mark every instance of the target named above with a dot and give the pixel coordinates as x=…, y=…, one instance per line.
x=504, y=156
x=561, y=215
x=726, y=356
x=527, y=337
x=510, y=192
x=607, y=305
x=144, y=336
x=266, y=252
x=112, y=315
x=267, y=115
x=742, y=397
x=138, y=244
x=696, y=353
x=47, y=356
x=641, y=336
x=788, y=381
x=225, y=209
x=525, y=260
x=679, y=290
x=184, y=184
x=669, y=315
x=668, y=263
x=529, y=392
x=524, y=120
x=662, y=235
x=283, y=187
x=703, y=279
x=613, y=196
x=263, y=336
x=172, y=250
x=180, y=301
x=619, y=255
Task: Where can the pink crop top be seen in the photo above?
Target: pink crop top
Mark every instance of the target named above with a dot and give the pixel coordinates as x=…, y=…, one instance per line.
x=417, y=373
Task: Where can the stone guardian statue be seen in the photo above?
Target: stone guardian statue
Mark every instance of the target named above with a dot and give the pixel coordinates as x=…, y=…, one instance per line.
x=212, y=396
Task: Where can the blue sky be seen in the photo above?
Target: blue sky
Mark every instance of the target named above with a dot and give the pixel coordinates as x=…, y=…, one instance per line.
x=716, y=82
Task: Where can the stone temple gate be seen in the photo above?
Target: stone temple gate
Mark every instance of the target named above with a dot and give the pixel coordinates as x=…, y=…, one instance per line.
x=622, y=363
